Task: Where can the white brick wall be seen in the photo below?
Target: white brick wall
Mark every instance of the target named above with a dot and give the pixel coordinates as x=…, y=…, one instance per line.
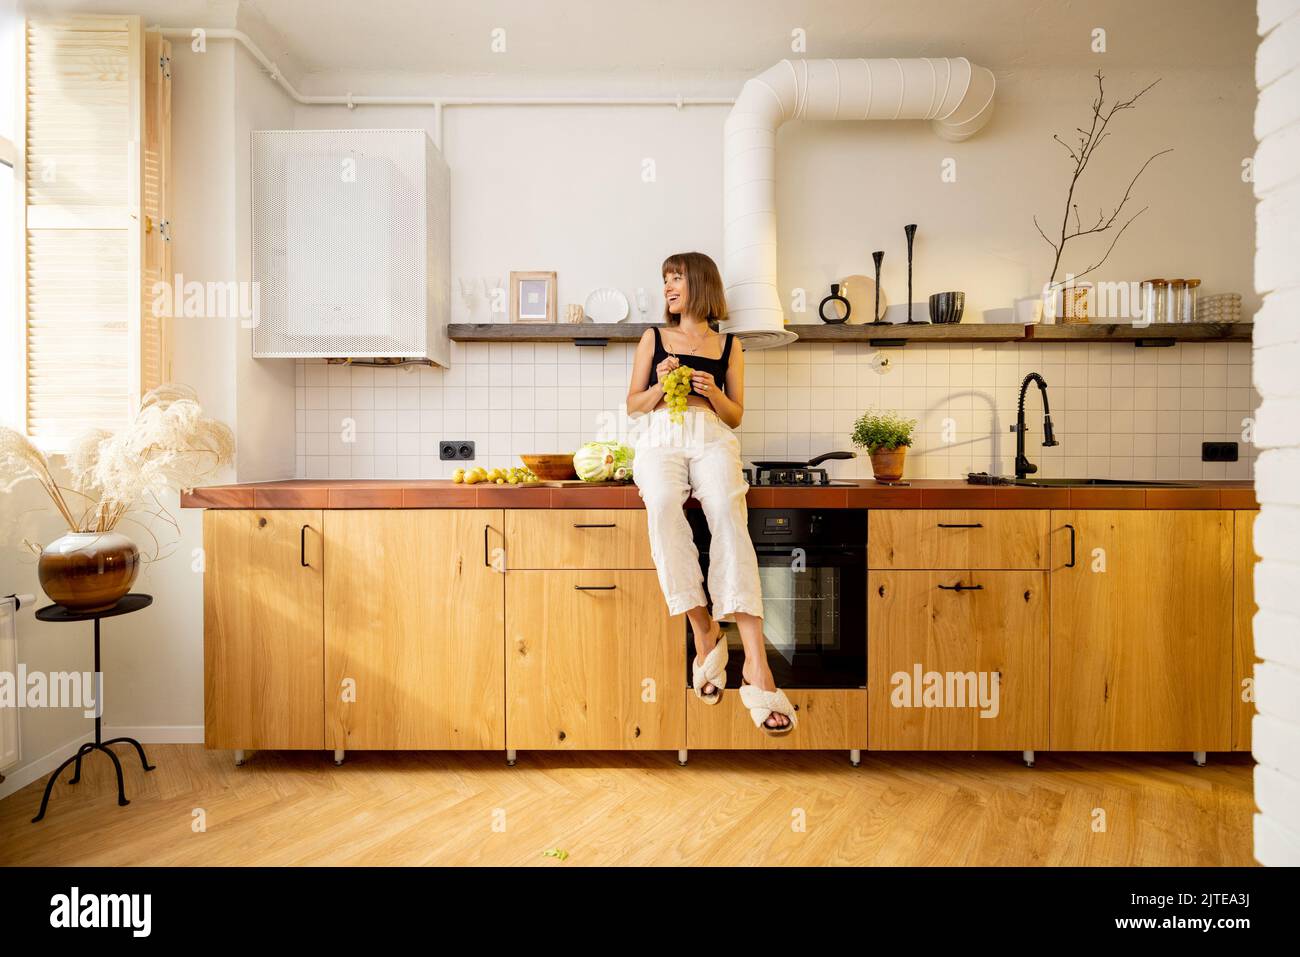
x=1276, y=727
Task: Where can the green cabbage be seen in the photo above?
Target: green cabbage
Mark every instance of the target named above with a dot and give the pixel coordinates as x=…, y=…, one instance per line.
x=603, y=461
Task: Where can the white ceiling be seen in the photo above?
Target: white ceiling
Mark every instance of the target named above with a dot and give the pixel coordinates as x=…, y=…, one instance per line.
x=703, y=36
x=711, y=38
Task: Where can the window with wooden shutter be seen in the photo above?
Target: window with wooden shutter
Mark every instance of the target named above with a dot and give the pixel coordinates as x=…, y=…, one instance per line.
x=97, y=143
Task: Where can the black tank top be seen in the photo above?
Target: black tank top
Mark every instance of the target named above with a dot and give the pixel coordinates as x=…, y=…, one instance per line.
x=716, y=366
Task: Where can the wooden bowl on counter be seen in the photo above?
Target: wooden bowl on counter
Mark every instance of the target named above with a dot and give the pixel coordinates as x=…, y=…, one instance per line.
x=551, y=467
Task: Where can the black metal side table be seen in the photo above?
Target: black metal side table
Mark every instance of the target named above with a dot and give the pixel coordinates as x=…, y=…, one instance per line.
x=125, y=605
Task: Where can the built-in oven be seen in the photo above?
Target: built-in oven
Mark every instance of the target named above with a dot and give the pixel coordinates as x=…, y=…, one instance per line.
x=812, y=564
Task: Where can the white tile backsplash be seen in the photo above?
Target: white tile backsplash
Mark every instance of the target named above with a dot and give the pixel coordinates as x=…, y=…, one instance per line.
x=1120, y=411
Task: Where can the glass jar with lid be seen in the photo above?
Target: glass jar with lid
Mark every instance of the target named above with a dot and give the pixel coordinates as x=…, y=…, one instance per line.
x=1154, y=292
x=1188, y=311
x=1173, y=311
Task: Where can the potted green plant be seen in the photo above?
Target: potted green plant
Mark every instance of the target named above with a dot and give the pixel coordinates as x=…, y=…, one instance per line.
x=885, y=436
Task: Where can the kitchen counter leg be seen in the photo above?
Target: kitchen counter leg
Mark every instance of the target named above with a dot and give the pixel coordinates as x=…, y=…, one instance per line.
x=855, y=757
x=239, y=758
x=1028, y=758
x=1199, y=758
x=338, y=756
x=510, y=757
x=681, y=756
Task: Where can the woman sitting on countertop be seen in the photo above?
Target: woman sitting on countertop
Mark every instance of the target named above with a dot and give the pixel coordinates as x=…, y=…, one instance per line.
x=700, y=455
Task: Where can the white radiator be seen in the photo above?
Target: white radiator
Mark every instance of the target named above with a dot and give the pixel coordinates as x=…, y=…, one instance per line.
x=9, y=750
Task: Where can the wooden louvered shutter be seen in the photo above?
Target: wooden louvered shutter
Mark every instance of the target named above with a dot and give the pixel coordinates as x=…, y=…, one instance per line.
x=92, y=173
x=156, y=264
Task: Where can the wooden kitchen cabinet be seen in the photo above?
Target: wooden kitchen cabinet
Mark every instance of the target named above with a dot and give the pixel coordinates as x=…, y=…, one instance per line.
x=830, y=719
x=1142, y=630
x=1243, y=635
x=574, y=538
x=593, y=661
x=928, y=538
x=263, y=641
x=988, y=645
x=414, y=629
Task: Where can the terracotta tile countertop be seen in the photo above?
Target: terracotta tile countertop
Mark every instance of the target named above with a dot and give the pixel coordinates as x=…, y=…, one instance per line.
x=862, y=493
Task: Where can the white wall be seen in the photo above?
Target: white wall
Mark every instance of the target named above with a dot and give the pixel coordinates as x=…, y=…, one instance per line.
x=1276, y=728
x=264, y=424
x=563, y=188
x=203, y=196
x=846, y=189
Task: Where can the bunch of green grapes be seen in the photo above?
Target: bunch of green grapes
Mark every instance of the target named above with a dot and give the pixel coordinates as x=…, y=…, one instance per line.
x=677, y=385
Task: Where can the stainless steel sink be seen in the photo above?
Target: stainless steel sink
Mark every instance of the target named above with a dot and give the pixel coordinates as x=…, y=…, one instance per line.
x=983, y=478
x=1095, y=483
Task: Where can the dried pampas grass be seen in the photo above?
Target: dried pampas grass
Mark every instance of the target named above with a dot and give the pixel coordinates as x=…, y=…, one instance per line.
x=20, y=460
x=170, y=444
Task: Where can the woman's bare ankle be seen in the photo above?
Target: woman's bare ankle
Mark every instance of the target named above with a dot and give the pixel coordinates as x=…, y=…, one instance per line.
x=759, y=678
x=706, y=638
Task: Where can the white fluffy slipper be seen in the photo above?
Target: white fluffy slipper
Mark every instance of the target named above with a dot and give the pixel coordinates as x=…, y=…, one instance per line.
x=713, y=671
x=762, y=704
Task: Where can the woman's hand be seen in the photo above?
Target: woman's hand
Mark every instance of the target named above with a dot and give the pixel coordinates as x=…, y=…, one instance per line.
x=704, y=384
x=665, y=367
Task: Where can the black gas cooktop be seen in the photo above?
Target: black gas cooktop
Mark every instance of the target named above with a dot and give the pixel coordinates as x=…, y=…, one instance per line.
x=786, y=477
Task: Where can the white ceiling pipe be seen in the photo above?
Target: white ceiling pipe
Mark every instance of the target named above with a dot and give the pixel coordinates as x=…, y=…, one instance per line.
x=438, y=102
x=955, y=95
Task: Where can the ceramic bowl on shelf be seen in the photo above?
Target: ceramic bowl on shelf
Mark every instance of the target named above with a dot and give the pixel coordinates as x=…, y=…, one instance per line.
x=947, y=307
x=551, y=467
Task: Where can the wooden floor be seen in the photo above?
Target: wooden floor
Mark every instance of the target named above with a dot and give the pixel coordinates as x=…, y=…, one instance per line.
x=725, y=808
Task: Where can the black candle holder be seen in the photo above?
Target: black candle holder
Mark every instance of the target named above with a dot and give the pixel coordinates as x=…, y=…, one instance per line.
x=835, y=297
x=911, y=235
x=879, y=257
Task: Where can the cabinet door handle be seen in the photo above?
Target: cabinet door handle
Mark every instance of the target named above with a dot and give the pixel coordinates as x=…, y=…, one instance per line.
x=960, y=587
x=1070, y=563
x=961, y=525
x=486, y=562
x=302, y=546
x=596, y=525
x=595, y=587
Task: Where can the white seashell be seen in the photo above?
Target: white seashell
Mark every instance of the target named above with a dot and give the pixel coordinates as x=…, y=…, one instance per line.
x=606, y=305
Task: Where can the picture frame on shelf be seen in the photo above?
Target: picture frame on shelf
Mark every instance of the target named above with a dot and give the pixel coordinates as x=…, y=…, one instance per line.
x=532, y=297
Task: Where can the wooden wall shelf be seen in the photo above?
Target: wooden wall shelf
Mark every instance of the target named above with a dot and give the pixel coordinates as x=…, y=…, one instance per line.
x=1123, y=332
x=896, y=334
x=920, y=332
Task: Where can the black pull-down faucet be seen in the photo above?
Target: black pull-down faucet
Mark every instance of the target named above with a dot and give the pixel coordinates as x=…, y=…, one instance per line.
x=1025, y=467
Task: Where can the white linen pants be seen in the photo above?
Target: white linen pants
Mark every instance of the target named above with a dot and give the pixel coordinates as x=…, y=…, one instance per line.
x=700, y=455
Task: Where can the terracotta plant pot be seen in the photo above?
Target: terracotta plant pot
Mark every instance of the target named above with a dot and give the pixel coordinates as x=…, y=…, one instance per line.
x=88, y=571
x=887, y=464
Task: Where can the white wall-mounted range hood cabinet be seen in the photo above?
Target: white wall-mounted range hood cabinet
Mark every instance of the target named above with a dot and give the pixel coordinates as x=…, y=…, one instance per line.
x=350, y=245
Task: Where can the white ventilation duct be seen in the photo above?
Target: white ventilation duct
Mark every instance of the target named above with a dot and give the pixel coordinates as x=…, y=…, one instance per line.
x=954, y=94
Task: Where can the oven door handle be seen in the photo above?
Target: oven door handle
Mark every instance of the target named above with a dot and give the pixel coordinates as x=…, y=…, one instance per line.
x=811, y=553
